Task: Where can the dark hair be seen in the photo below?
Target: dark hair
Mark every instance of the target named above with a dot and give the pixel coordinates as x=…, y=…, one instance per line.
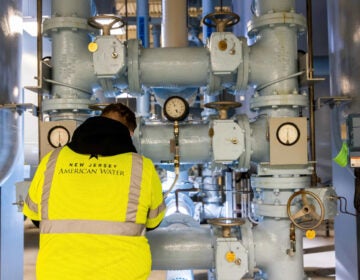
x=125, y=114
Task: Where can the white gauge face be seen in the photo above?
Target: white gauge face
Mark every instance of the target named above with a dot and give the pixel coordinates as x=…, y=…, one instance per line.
x=58, y=136
x=176, y=108
x=288, y=134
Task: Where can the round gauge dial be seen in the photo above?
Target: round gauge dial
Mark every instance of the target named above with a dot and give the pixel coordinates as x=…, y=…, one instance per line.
x=288, y=133
x=176, y=108
x=58, y=136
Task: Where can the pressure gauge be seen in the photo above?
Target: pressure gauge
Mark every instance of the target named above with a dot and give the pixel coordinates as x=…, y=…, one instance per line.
x=58, y=136
x=176, y=108
x=288, y=133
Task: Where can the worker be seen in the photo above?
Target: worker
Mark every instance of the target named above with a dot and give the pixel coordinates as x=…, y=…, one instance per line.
x=95, y=197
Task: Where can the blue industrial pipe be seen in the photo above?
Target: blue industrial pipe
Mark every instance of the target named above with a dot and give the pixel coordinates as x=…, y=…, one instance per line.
x=142, y=21
x=207, y=8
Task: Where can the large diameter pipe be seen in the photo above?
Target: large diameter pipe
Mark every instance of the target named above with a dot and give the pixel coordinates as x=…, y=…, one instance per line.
x=73, y=76
x=10, y=93
x=273, y=57
x=174, y=67
x=11, y=138
x=69, y=8
x=181, y=248
x=153, y=141
x=69, y=50
x=273, y=6
x=272, y=242
x=174, y=23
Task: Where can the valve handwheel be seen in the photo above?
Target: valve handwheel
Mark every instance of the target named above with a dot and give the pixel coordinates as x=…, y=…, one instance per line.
x=307, y=217
x=106, y=23
x=226, y=224
x=220, y=20
x=222, y=107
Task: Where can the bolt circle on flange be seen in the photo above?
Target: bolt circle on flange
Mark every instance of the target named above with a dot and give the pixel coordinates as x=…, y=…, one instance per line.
x=293, y=20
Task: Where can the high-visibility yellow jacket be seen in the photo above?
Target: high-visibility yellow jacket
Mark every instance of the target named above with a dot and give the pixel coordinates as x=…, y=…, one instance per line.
x=93, y=212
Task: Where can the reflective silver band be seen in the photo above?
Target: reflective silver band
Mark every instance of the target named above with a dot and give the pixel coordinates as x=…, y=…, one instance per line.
x=31, y=204
x=153, y=213
x=48, y=177
x=128, y=228
x=135, y=187
x=92, y=227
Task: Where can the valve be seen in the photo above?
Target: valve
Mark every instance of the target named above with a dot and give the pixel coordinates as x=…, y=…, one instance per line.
x=307, y=217
x=220, y=20
x=222, y=107
x=106, y=23
x=226, y=224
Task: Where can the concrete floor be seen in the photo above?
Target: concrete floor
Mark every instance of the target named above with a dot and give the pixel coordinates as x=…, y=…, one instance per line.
x=312, y=261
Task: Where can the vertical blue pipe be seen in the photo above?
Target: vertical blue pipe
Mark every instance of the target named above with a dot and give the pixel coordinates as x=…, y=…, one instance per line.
x=142, y=21
x=243, y=9
x=156, y=34
x=208, y=7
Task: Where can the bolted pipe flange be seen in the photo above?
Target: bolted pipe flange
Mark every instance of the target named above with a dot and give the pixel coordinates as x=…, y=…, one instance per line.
x=272, y=20
x=56, y=24
x=65, y=105
x=273, y=101
x=133, y=52
x=281, y=183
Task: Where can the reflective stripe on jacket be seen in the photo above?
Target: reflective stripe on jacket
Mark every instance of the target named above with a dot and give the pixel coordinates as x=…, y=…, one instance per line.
x=94, y=204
